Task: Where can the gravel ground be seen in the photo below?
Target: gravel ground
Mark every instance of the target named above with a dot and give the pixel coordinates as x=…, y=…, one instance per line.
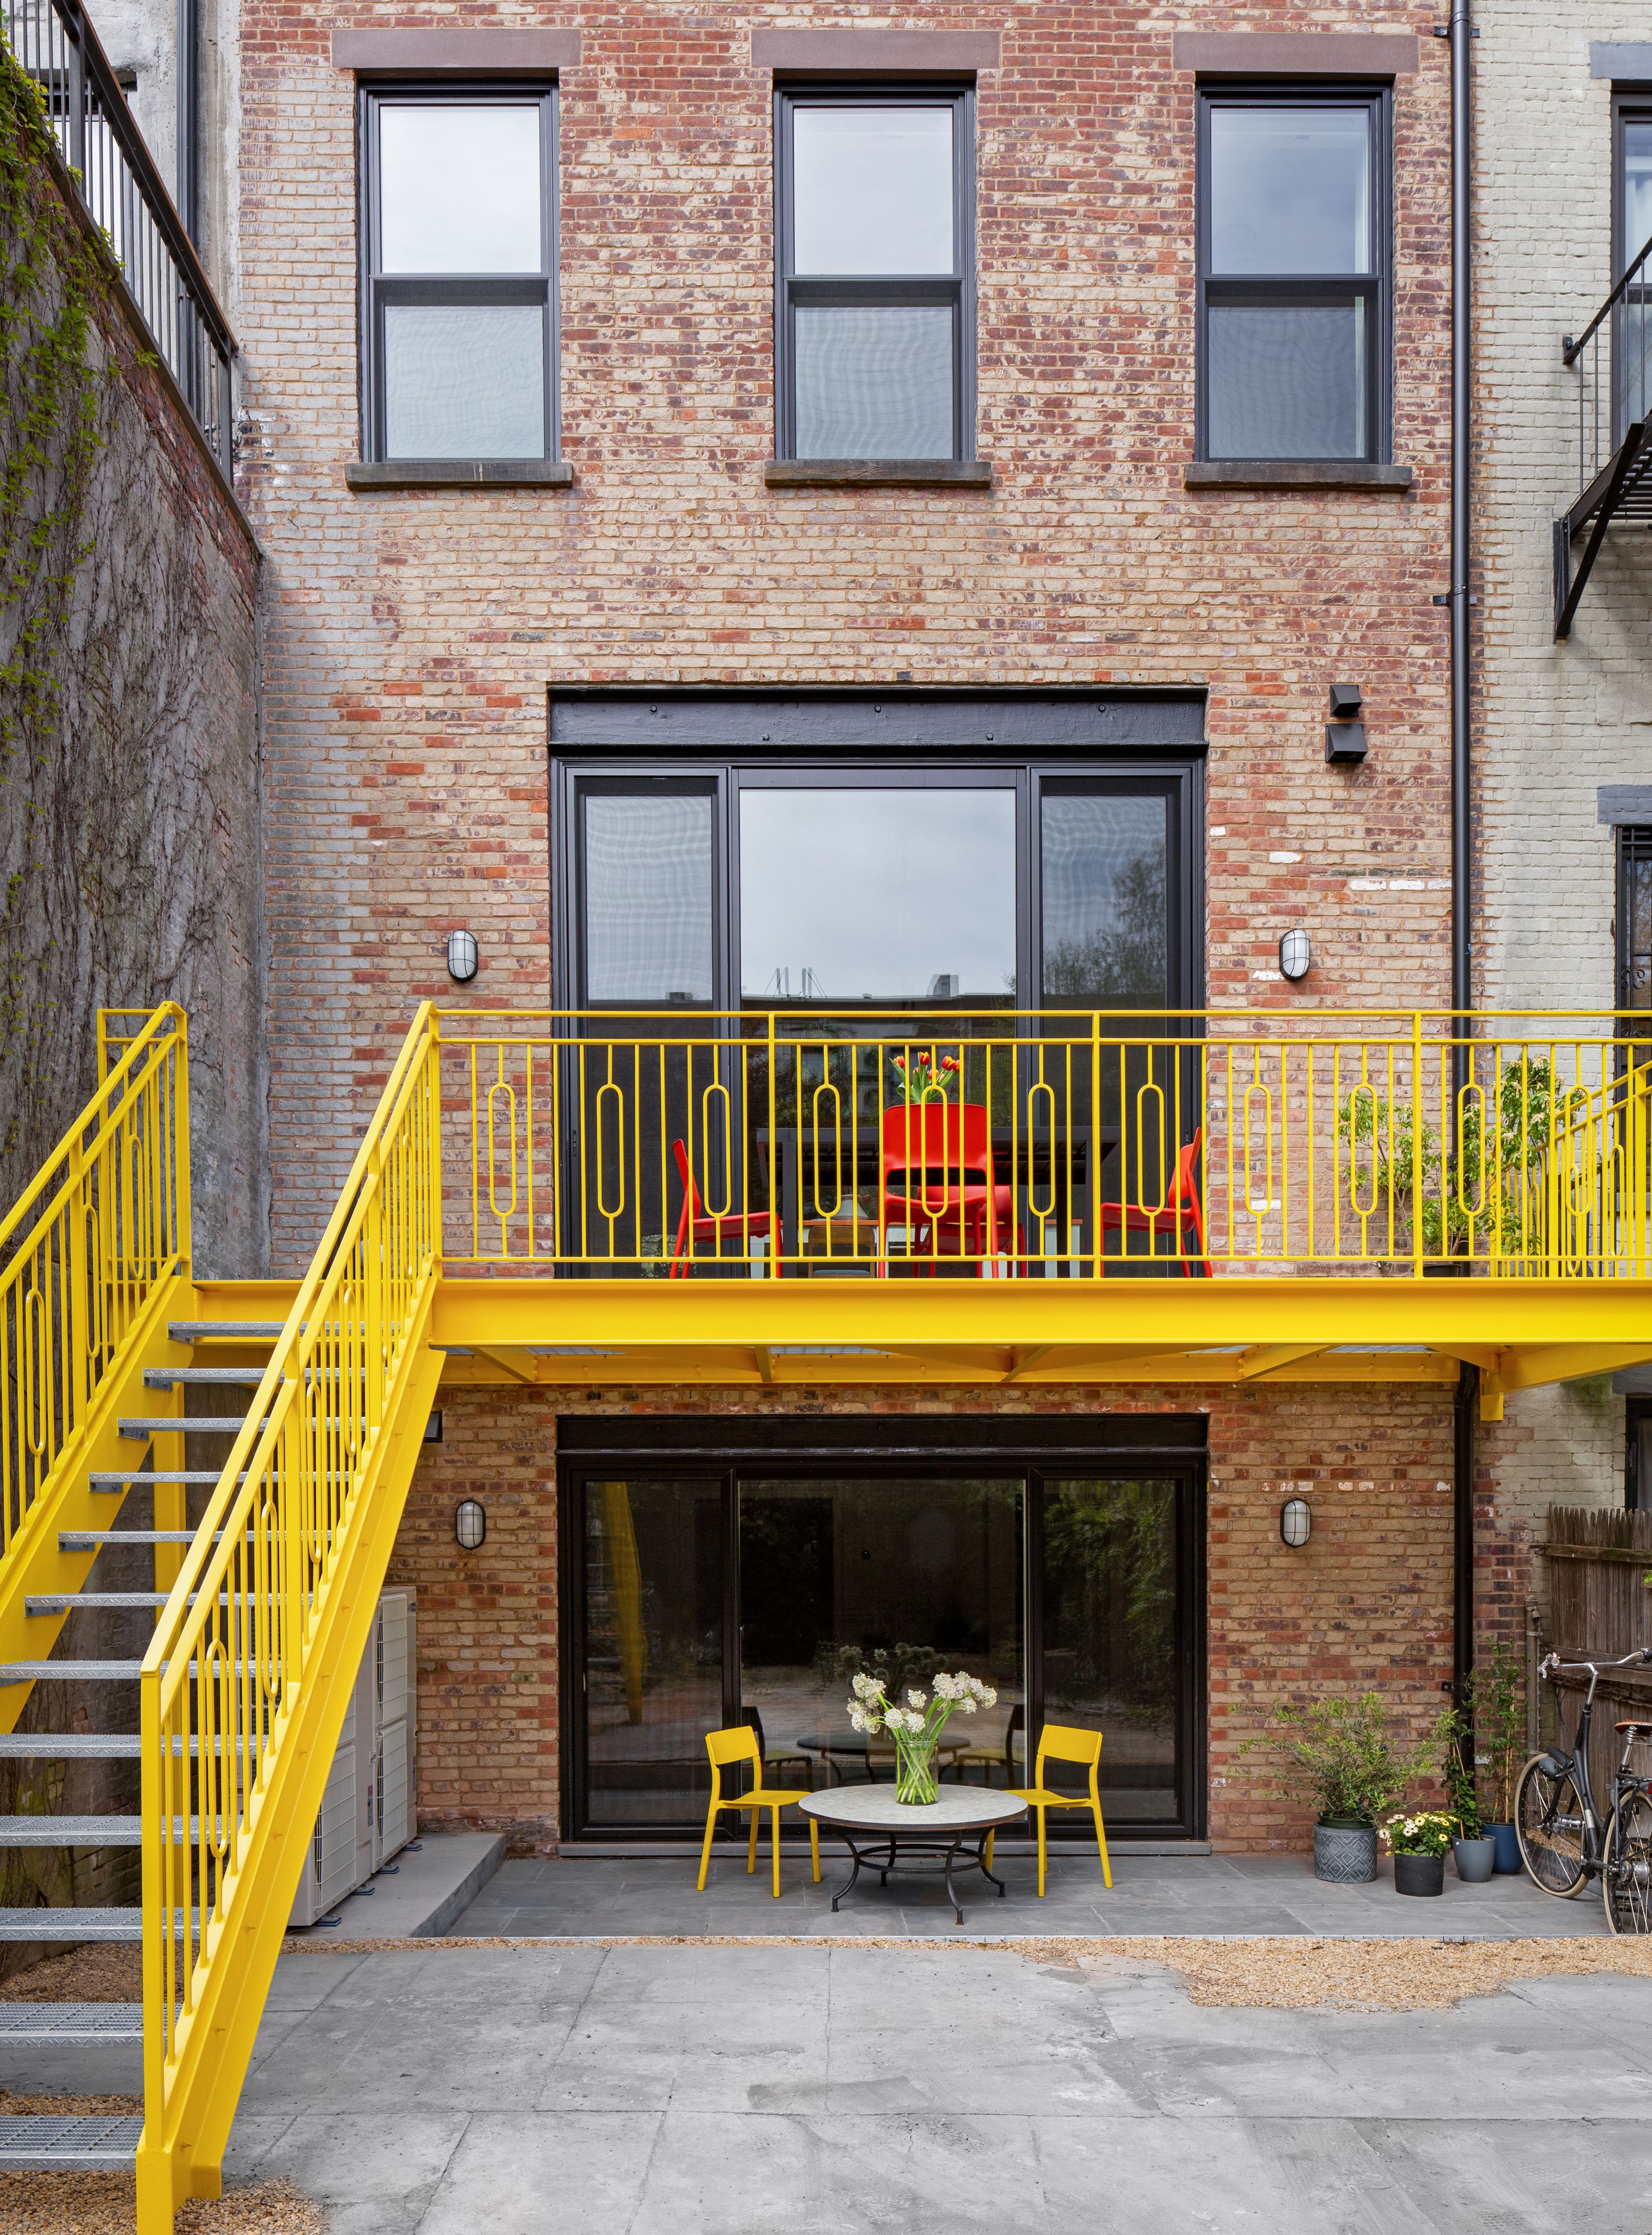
x=103, y=2204
x=88, y=1974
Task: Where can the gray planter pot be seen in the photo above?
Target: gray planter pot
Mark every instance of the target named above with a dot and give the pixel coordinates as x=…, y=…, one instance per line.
x=1475, y=1859
x=1344, y=1854
x=1420, y=1874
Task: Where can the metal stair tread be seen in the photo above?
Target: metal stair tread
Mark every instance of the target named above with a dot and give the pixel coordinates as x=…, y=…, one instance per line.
x=224, y=1330
x=177, y=1377
x=183, y=1424
x=115, y=1927
x=83, y=1832
x=70, y=1601
x=94, y=1746
x=93, y=1540
x=78, y=2145
x=64, y=2022
x=130, y=1481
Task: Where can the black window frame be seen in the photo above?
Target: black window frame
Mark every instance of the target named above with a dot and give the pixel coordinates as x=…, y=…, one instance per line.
x=377, y=289
x=1637, y=1492
x=1634, y=851
x=725, y=1451
x=1375, y=289
x=1030, y=774
x=854, y=290
x=1630, y=104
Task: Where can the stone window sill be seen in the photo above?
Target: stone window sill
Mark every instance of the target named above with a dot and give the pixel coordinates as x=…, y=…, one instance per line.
x=459, y=473
x=878, y=473
x=1292, y=473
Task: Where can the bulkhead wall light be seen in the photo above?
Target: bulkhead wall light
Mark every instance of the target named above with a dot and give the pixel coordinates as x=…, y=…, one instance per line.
x=1295, y=956
x=1295, y=1523
x=470, y=1525
x=462, y=956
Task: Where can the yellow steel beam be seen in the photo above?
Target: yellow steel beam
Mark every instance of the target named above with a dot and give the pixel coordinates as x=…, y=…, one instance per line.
x=1258, y=1365
x=1152, y=1317
x=1568, y=1361
x=515, y=1366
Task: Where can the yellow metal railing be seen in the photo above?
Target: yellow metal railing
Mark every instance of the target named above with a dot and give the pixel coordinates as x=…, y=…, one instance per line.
x=85, y=1256
x=1228, y=1141
x=245, y=1684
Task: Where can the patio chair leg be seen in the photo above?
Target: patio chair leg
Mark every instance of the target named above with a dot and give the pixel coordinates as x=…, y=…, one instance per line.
x=773, y=1845
x=751, y=1845
x=990, y=1836
x=705, y=1851
x=1043, y=1819
x=814, y=1846
x=1101, y=1846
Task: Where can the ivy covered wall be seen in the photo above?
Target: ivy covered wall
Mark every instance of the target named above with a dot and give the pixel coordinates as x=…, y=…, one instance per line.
x=130, y=832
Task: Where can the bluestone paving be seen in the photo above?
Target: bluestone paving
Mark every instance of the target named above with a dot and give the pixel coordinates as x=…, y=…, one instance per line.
x=691, y=2090
x=1149, y=1894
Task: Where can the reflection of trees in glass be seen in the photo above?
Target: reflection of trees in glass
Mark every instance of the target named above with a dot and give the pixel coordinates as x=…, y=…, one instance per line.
x=1110, y=1569
x=1125, y=965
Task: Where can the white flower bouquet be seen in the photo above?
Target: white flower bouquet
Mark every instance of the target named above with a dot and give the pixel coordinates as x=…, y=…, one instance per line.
x=917, y=1727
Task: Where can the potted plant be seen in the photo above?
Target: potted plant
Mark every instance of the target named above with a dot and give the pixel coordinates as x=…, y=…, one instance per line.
x=1420, y=1843
x=1473, y=1848
x=1340, y=1755
x=1495, y=1696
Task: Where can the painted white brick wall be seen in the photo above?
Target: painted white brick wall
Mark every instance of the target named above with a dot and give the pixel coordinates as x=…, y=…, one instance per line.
x=1555, y=720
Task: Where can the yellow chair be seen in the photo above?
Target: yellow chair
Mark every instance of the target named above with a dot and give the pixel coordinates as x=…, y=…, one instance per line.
x=725, y=1748
x=1060, y=1742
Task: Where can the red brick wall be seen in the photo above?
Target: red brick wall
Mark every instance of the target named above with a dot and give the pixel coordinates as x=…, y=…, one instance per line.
x=413, y=635
x=1367, y=1604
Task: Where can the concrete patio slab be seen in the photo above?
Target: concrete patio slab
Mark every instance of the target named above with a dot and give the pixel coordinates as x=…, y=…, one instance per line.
x=849, y=2089
x=1202, y=1894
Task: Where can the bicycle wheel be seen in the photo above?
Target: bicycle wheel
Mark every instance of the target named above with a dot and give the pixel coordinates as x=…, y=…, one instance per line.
x=1626, y=1871
x=1549, y=1822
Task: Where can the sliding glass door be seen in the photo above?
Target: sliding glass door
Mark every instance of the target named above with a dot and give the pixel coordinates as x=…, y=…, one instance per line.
x=757, y=1595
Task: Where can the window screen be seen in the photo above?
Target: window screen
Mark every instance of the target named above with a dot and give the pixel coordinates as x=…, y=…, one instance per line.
x=458, y=307
x=649, y=875
x=876, y=246
x=1105, y=901
x=1293, y=300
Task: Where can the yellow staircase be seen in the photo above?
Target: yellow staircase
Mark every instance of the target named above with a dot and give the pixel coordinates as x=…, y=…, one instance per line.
x=264, y=1607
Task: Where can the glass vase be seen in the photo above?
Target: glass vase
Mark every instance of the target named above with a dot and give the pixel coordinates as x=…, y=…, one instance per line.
x=914, y=1768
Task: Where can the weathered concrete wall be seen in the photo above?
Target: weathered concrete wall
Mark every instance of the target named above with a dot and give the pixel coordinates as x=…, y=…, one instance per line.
x=129, y=801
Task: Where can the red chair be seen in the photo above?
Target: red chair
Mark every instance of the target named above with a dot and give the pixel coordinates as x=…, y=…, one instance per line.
x=936, y=1180
x=1183, y=1215
x=696, y=1225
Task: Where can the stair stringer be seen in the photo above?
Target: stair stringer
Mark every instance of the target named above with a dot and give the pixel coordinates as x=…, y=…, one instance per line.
x=34, y=1564
x=215, y=2041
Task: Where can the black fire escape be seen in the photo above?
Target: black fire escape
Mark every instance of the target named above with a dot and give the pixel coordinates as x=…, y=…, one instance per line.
x=1614, y=357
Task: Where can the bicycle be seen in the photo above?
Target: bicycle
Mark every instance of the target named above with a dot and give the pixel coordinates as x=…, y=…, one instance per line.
x=1558, y=1825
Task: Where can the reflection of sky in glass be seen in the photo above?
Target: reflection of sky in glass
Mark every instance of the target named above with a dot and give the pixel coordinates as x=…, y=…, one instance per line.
x=1291, y=189
x=876, y=893
x=872, y=189
x=460, y=188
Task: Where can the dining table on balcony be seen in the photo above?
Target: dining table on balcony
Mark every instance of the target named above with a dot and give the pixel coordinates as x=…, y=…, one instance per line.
x=1054, y=1167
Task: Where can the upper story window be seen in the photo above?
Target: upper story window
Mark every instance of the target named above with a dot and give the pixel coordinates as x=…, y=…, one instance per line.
x=1293, y=281
x=1634, y=917
x=1631, y=232
x=458, y=299
x=875, y=247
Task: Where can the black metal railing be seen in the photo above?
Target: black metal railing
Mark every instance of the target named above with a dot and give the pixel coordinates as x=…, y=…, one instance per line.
x=122, y=192
x=1612, y=357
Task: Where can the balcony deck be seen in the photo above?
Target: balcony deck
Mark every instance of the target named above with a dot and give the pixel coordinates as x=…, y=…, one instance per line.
x=1009, y=1200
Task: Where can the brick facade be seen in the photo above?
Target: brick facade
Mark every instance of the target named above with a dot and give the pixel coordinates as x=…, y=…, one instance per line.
x=413, y=637
x=1365, y=1605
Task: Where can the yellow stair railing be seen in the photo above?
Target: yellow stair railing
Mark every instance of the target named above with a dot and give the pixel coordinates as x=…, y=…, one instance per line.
x=248, y=1678
x=89, y=1262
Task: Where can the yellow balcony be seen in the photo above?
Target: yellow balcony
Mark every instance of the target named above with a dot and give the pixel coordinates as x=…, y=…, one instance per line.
x=992, y=1196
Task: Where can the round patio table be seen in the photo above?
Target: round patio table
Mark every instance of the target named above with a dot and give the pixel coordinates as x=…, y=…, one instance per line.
x=875, y=1827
